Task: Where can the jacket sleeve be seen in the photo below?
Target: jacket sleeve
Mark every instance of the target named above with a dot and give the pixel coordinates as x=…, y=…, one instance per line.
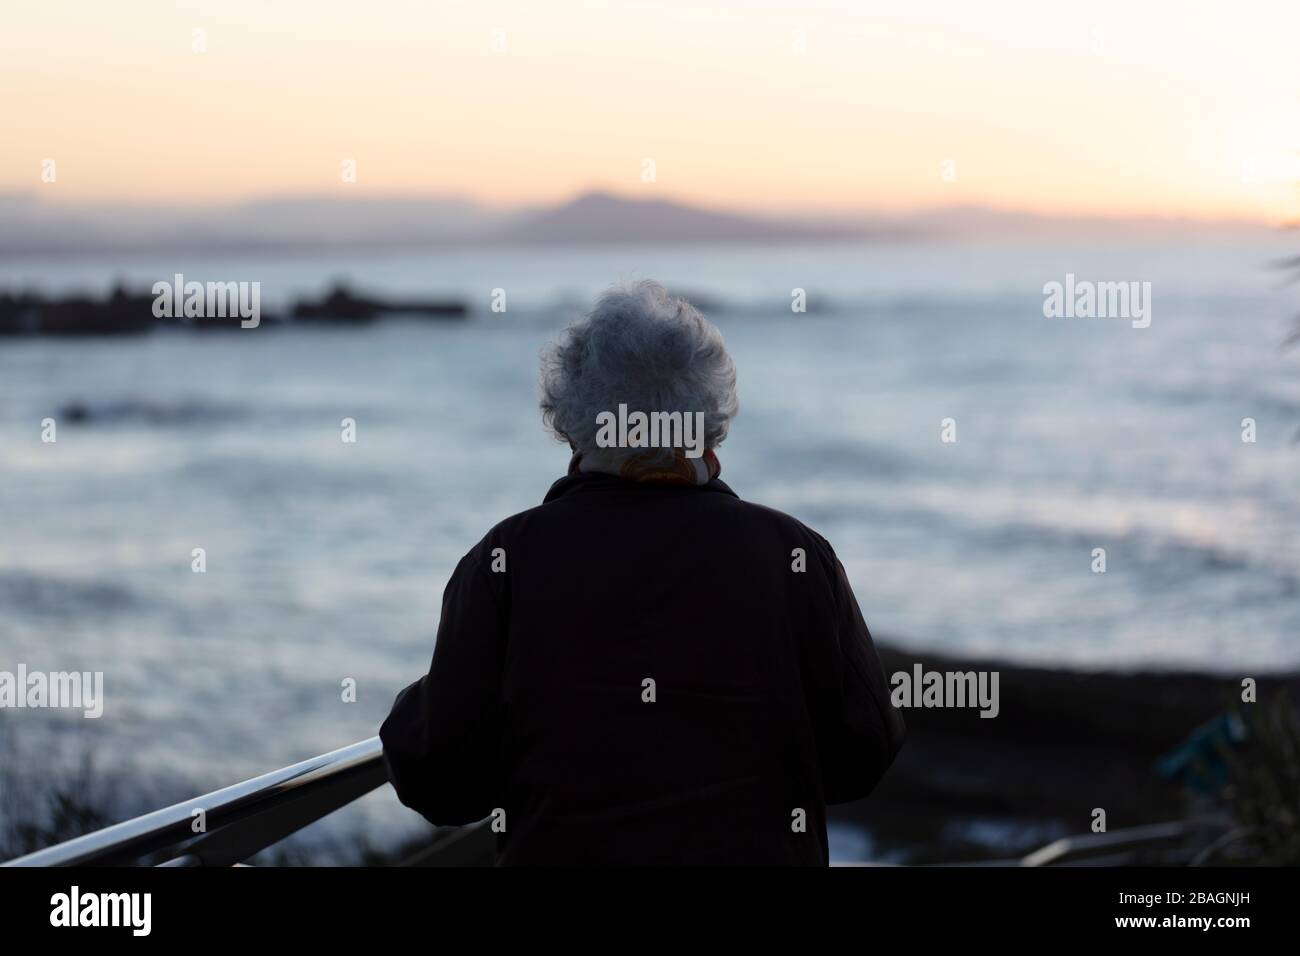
x=442, y=738
x=858, y=730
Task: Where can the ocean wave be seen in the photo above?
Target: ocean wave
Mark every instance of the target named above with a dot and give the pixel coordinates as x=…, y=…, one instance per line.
x=42, y=595
x=1171, y=536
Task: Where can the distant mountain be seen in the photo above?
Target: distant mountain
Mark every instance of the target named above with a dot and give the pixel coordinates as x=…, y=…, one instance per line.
x=601, y=217
x=31, y=225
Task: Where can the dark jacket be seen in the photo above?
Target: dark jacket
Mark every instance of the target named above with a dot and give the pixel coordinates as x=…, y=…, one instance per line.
x=768, y=697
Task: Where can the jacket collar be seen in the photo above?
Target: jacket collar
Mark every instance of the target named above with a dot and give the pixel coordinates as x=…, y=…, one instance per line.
x=590, y=480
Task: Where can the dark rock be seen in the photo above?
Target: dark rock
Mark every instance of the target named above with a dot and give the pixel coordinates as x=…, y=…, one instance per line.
x=342, y=305
x=118, y=314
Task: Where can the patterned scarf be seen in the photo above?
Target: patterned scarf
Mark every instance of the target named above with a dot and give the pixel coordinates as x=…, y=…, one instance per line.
x=668, y=466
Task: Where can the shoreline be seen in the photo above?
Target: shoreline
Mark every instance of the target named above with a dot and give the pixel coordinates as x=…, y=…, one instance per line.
x=1064, y=743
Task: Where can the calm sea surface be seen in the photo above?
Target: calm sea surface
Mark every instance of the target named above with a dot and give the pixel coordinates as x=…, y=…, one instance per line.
x=326, y=560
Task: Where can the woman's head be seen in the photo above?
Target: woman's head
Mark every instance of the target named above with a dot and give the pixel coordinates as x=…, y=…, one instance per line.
x=641, y=348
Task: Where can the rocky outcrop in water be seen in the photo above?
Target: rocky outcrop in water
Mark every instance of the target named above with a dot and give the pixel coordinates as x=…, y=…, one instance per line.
x=341, y=305
x=122, y=312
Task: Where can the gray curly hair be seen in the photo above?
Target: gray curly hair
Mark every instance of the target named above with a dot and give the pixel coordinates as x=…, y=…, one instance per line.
x=644, y=348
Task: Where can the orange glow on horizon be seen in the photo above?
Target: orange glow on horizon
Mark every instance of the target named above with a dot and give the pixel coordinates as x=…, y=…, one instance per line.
x=809, y=109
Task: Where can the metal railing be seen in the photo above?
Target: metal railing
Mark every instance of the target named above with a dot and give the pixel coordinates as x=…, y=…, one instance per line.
x=1152, y=844
x=1115, y=848
x=237, y=821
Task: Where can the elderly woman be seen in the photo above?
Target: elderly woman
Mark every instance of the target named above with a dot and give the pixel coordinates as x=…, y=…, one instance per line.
x=645, y=668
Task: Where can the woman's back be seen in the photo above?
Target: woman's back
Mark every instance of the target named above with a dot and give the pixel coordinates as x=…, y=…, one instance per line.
x=637, y=672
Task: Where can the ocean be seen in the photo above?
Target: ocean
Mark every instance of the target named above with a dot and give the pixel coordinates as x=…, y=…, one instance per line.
x=326, y=560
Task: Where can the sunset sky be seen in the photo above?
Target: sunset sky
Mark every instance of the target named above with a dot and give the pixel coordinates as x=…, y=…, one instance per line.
x=1103, y=108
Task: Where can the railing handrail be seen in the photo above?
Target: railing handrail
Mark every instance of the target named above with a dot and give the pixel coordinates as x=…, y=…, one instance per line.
x=239, y=820
x=1072, y=847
